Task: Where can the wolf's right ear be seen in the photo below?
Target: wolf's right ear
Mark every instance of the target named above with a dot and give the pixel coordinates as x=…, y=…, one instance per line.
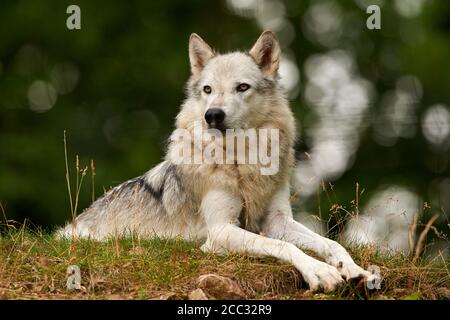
x=266, y=53
x=199, y=53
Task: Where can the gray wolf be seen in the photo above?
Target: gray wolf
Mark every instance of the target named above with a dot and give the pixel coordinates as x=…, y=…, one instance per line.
x=231, y=207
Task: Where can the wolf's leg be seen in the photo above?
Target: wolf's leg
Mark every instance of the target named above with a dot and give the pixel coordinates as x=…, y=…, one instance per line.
x=279, y=224
x=221, y=210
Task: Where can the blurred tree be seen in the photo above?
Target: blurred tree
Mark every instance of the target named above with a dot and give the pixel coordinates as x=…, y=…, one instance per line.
x=116, y=86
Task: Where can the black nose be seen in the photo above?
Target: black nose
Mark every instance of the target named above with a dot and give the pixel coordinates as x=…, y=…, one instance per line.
x=215, y=115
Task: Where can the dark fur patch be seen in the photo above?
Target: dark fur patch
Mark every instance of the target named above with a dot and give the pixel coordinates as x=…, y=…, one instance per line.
x=140, y=183
x=192, y=88
x=265, y=85
x=172, y=172
x=129, y=185
x=137, y=183
x=155, y=193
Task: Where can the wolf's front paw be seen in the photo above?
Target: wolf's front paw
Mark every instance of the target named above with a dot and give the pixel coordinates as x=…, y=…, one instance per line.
x=372, y=279
x=353, y=272
x=350, y=271
x=320, y=275
x=339, y=258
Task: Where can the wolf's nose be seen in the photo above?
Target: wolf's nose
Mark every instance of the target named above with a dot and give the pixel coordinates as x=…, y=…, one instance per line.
x=215, y=115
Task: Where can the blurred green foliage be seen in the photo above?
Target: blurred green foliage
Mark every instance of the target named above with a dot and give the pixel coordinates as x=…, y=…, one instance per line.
x=132, y=63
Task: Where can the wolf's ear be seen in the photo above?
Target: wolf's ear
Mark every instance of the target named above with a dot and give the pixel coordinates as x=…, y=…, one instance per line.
x=199, y=53
x=266, y=52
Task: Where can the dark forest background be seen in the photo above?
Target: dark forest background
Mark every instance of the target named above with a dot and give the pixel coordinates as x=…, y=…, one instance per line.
x=116, y=85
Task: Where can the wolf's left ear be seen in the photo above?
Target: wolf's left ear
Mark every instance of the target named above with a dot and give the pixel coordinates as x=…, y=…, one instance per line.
x=199, y=53
x=266, y=52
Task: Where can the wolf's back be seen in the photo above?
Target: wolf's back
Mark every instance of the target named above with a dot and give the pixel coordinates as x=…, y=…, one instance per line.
x=145, y=205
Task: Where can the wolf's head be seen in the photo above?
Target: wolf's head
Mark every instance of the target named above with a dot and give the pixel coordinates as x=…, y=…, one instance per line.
x=233, y=90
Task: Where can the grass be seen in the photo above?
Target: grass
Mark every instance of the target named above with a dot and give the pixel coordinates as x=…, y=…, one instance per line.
x=33, y=265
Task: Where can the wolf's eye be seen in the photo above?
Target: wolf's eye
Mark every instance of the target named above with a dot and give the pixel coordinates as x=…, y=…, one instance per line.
x=207, y=89
x=243, y=87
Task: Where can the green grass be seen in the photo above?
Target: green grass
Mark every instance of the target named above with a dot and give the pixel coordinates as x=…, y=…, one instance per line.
x=33, y=266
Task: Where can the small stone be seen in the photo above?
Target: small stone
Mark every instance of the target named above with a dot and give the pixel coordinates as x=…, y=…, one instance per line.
x=197, y=294
x=220, y=287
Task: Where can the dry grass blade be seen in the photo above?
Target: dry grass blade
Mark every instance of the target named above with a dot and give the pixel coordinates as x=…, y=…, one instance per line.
x=421, y=241
x=67, y=173
x=93, y=179
x=412, y=234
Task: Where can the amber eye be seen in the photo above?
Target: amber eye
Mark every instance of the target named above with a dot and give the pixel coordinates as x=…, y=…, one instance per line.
x=207, y=89
x=243, y=87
